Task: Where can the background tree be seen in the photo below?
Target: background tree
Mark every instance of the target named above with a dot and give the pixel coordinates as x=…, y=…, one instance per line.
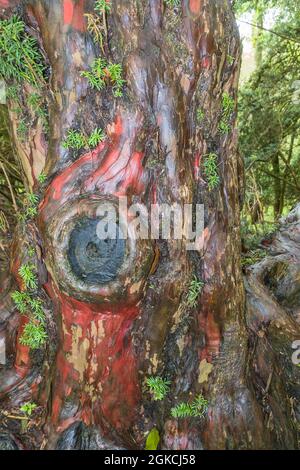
x=269, y=120
x=121, y=343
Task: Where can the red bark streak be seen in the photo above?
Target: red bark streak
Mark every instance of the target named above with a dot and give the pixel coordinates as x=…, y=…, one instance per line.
x=22, y=360
x=74, y=14
x=197, y=162
x=96, y=350
x=212, y=337
x=195, y=6
x=112, y=168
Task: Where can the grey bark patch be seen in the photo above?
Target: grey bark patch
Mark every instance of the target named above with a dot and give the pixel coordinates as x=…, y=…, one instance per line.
x=94, y=260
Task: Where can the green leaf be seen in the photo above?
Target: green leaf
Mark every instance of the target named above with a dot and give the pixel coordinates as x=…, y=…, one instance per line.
x=152, y=440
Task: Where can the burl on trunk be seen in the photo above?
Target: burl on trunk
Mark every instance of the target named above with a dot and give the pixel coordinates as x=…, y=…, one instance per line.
x=117, y=311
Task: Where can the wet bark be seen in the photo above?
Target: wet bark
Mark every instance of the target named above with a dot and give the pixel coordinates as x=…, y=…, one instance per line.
x=106, y=338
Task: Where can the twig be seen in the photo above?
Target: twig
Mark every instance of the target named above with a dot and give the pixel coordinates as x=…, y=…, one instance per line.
x=282, y=36
x=10, y=188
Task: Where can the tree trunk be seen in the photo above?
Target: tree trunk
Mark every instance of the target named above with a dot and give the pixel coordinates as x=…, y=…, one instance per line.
x=131, y=320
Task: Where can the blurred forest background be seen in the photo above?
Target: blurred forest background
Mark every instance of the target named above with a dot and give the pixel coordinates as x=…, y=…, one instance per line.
x=269, y=114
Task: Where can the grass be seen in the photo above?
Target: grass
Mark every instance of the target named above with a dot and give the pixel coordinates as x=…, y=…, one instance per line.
x=211, y=171
x=196, y=409
x=158, y=387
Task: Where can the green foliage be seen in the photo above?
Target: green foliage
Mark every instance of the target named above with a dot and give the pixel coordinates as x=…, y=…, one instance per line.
x=21, y=300
x=77, y=140
x=172, y=3
x=22, y=129
x=253, y=257
x=12, y=92
x=96, y=137
x=195, y=289
x=31, y=251
x=230, y=59
x=20, y=58
x=197, y=408
x=269, y=115
x=182, y=410
x=30, y=206
x=102, y=6
x=42, y=177
x=227, y=110
x=28, y=275
x=102, y=73
x=200, y=115
x=28, y=408
x=32, y=199
x=227, y=104
x=211, y=170
x=74, y=140
x=152, y=440
x=158, y=387
x=34, y=335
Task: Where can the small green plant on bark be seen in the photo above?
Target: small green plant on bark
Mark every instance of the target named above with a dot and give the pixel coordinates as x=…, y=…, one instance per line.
x=28, y=408
x=28, y=275
x=102, y=73
x=173, y=3
x=42, y=177
x=211, y=171
x=20, y=58
x=197, y=408
x=22, y=129
x=102, y=6
x=230, y=59
x=158, y=387
x=28, y=303
x=200, y=115
x=31, y=201
x=227, y=110
x=77, y=140
x=195, y=290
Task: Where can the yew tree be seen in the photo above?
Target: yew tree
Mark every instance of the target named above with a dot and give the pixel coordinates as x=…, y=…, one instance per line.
x=137, y=98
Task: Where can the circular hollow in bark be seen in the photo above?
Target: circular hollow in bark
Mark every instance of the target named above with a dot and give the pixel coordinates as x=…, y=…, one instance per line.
x=94, y=269
x=92, y=259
